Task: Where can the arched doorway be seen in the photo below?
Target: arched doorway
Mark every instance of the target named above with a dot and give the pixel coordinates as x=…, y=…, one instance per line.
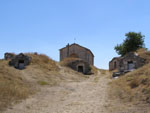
x=21, y=64
x=80, y=69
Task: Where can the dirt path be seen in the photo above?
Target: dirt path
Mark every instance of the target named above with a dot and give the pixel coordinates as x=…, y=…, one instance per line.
x=88, y=96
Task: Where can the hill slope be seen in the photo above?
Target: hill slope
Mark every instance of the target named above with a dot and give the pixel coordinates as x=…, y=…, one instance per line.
x=16, y=85
x=134, y=87
x=87, y=95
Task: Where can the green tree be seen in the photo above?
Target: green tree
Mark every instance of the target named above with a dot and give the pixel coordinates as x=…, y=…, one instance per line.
x=132, y=42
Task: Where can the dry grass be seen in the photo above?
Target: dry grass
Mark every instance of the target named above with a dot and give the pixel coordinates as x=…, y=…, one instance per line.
x=43, y=61
x=134, y=87
x=12, y=87
x=144, y=54
x=104, y=72
x=16, y=84
x=94, y=69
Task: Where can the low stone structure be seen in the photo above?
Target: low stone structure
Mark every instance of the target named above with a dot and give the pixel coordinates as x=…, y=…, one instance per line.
x=9, y=56
x=20, y=61
x=125, y=64
x=130, y=61
x=80, y=66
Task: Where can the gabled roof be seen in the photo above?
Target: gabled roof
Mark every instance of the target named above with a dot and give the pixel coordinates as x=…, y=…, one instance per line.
x=118, y=58
x=130, y=53
x=79, y=46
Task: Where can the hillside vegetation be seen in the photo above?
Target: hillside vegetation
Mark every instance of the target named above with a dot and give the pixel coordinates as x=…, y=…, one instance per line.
x=19, y=84
x=16, y=85
x=134, y=86
x=144, y=54
x=12, y=85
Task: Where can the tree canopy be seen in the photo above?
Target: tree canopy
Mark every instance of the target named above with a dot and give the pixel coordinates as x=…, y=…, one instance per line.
x=132, y=42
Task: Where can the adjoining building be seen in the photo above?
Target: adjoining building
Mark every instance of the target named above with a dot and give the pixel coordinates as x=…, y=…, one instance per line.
x=114, y=63
x=130, y=62
x=127, y=63
x=77, y=51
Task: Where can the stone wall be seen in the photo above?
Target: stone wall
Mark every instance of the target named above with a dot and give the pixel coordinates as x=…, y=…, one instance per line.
x=114, y=64
x=20, y=61
x=127, y=62
x=130, y=58
x=9, y=56
x=80, y=66
x=78, y=51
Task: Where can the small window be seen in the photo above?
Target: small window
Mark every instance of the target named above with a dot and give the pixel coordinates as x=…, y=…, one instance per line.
x=115, y=64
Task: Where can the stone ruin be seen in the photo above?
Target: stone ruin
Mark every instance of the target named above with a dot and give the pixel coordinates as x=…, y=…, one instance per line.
x=130, y=62
x=126, y=64
x=19, y=61
x=9, y=56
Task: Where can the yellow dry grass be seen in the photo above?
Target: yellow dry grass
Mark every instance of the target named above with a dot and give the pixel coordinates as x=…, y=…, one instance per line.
x=16, y=84
x=144, y=54
x=43, y=61
x=94, y=69
x=134, y=86
x=12, y=87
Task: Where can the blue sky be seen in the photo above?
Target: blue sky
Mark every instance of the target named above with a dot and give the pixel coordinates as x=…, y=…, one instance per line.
x=45, y=26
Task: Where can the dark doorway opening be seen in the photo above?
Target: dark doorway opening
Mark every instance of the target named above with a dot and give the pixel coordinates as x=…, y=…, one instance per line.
x=21, y=64
x=80, y=69
x=131, y=65
x=21, y=61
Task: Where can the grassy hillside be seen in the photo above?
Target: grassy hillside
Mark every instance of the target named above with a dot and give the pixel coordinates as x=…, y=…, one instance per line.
x=134, y=86
x=43, y=62
x=19, y=84
x=144, y=54
x=16, y=85
x=12, y=85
